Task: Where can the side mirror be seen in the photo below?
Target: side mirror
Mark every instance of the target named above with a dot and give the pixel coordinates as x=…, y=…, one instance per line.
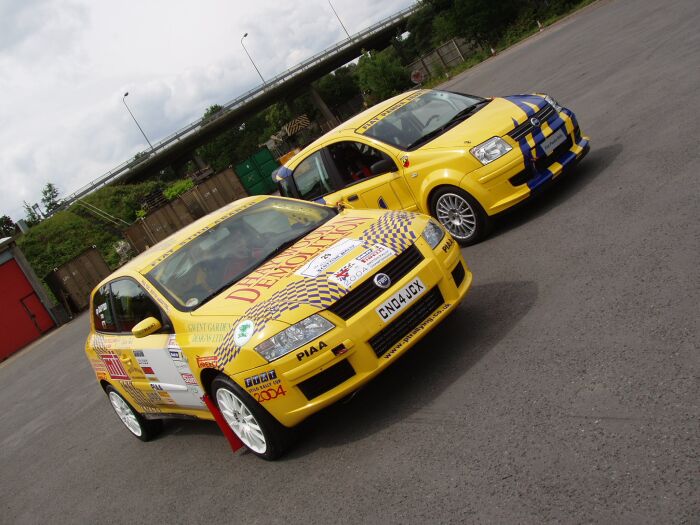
x=383, y=166
x=148, y=326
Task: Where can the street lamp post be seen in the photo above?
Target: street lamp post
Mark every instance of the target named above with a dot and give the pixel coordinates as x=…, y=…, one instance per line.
x=339, y=20
x=137, y=122
x=251, y=60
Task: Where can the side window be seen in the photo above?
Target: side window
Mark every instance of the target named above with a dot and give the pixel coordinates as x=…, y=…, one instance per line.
x=354, y=160
x=102, y=313
x=132, y=304
x=312, y=178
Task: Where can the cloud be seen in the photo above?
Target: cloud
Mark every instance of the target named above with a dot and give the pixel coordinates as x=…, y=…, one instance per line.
x=65, y=65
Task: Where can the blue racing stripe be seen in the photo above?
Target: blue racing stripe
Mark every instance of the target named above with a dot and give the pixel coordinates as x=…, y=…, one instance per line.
x=518, y=101
x=541, y=178
x=540, y=102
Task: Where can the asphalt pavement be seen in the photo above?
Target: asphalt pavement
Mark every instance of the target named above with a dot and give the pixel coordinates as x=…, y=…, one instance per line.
x=563, y=390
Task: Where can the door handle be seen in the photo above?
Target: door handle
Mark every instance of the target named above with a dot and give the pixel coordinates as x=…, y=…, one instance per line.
x=353, y=197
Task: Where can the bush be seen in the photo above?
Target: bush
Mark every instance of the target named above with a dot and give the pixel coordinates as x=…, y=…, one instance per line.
x=177, y=188
x=63, y=237
x=381, y=75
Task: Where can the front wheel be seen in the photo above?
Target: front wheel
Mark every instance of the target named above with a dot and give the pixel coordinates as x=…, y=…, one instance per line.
x=460, y=214
x=139, y=426
x=254, y=426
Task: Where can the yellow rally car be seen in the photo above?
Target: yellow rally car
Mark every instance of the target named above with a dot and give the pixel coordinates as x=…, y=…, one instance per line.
x=460, y=158
x=272, y=307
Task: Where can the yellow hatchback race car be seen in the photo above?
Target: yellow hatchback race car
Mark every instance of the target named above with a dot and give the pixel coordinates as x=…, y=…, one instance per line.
x=272, y=307
x=459, y=158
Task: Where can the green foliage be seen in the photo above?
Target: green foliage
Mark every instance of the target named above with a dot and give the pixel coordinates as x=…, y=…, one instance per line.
x=381, y=75
x=63, y=237
x=31, y=216
x=177, y=188
x=119, y=200
x=340, y=86
x=7, y=226
x=49, y=197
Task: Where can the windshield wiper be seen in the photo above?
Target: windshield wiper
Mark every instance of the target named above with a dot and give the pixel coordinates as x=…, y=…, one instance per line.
x=458, y=117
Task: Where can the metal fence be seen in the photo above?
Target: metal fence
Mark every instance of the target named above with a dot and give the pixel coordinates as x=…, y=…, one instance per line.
x=441, y=59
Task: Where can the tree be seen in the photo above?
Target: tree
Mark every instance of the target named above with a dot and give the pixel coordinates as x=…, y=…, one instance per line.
x=338, y=87
x=484, y=20
x=381, y=75
x=7, y=226
x=49, y=197
x=31, y=216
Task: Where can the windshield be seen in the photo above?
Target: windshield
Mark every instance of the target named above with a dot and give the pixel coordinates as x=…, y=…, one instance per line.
x=228, y=251
x=431, y=111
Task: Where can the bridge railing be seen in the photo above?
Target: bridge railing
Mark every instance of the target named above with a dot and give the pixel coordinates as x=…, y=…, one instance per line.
x=237, y=102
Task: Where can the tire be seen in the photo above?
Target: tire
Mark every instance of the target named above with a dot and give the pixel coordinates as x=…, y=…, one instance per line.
x=460, y=214
x=140, y=427
x=255, y=427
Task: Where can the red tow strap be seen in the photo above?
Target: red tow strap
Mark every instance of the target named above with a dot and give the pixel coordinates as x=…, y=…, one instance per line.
x=219, y=417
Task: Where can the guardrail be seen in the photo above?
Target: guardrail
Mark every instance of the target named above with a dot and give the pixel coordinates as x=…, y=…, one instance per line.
x=237, y=102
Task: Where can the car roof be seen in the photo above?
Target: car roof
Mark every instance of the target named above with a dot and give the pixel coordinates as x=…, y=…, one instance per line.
x=355, y=122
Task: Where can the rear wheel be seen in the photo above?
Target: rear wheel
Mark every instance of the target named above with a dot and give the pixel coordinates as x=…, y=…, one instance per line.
x=253, y=425
x=460, y=214
x=139, y=426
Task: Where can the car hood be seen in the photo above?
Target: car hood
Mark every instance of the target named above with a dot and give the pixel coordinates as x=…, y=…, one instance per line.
x=307, y=277
x=496, y=119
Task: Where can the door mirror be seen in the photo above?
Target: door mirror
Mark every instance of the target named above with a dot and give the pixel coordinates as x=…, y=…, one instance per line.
x=148, y=326
x=383, y=166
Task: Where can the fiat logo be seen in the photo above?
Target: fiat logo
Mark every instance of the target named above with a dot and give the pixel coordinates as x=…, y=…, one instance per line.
x=382, y=280
x=535, y=122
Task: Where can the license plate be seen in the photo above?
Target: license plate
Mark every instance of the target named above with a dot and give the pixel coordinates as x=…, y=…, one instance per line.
x=400, y=300
x=550, y=143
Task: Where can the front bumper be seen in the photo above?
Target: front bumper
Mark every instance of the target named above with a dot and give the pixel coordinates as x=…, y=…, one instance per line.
x=359, y=348
x=518, y=174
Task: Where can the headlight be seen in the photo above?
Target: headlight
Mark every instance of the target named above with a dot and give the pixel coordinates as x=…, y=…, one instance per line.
x=490, y=150
x=293, y=337
x=433, y=233
x=553, y=103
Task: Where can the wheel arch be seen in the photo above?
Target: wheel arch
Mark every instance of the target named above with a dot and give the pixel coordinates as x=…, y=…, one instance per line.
x=436, y=180
x=206, y=378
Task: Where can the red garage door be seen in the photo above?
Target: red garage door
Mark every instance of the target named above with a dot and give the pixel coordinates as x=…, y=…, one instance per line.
x=22, y=316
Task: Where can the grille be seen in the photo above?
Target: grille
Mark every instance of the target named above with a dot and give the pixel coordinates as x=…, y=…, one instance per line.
x=367, y=292
x=407, y=321
x=458, y=274
x=327, y=380
x=526, y=127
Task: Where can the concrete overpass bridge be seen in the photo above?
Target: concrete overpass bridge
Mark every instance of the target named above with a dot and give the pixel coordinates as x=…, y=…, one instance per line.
x=179, y=146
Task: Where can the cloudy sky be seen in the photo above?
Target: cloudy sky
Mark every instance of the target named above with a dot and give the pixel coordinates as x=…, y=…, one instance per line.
x=65, y=64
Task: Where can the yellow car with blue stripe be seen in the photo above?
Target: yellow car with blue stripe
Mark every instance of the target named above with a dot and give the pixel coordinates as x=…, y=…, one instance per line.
x=460, y=158
x=271, y=309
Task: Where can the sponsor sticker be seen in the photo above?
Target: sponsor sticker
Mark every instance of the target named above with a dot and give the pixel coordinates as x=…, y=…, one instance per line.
x=114, y=366
x=210, y=361
x=243, y=333
x=361, y=265
x=319, y=264
x=261, y=378
x=189, y=379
